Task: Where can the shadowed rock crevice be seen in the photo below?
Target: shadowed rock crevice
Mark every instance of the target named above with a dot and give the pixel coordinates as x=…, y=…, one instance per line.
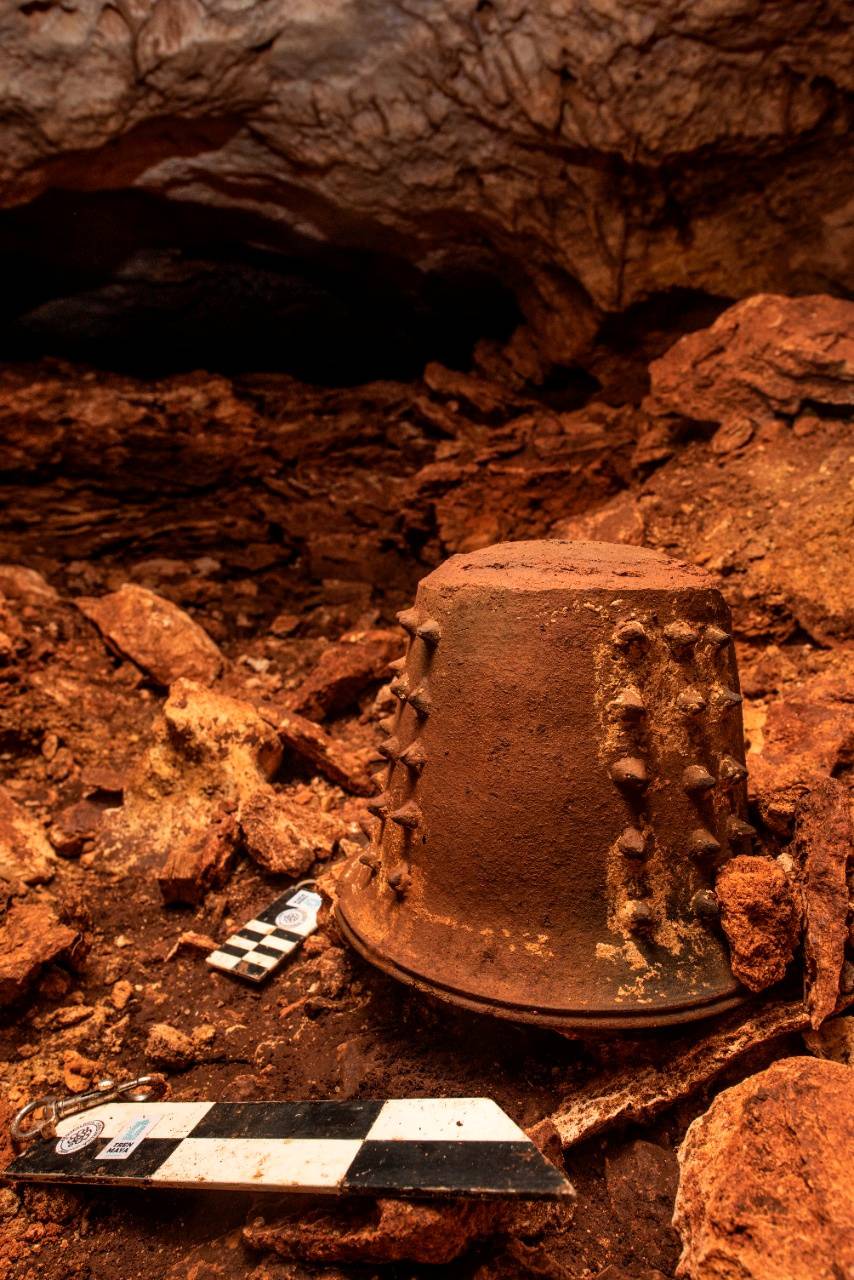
x=139, y=284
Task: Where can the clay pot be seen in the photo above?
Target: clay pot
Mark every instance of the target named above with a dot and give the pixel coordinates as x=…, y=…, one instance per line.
x=566, y=773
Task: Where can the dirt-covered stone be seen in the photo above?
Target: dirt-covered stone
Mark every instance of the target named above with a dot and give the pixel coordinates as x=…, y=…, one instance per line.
x=31, y=936
x=760, y=919
x=161, y=639
x=765, y=1191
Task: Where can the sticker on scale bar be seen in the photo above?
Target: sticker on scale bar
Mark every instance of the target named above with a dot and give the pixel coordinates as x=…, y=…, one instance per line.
x=125, y=1143
x=266, y=941
x=80, y=1137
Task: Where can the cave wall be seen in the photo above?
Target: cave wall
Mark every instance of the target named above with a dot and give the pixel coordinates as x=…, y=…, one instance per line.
x=589, y=154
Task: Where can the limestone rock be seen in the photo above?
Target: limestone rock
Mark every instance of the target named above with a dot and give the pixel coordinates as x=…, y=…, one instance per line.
x=159, y=637
x=528, y=142
x=25, y=586
x=31, y=936
x=638, y=1091
x=168, y=1047
x=765, y=1191
x=308, y=740
x=834, y=1039
x=381, y=1231
x=75, y=826
x=774, y=519
x=823, y=845
x=26, y=857
x=344, y=671
x=763, y=358
x=208, y=755
x=807, y=735
x=199, y=861
x=284, y=837
x=759, y=918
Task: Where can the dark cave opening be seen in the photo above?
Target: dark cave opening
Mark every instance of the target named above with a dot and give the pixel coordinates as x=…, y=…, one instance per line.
x=136, y=284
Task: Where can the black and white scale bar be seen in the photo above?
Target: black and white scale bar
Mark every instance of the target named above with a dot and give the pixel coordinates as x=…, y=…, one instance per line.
x=266, y=941
x=402, y=1147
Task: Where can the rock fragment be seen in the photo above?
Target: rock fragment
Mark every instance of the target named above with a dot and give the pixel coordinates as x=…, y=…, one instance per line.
x=344, y=671
x=286, y=838
x=75, y=826
x=808, y=735
x=25, y=585
x=764, y=356
x=31, y=936
x=834, y=1039
x=823, y=846
x=309, y=741
x=160, y=638
x=209, y=754
x=379, y=1231
x=638, y=1092
x=199, y=861
x=759, y=918
x=168, y=1047
x=26, y=857
x=765, y=1190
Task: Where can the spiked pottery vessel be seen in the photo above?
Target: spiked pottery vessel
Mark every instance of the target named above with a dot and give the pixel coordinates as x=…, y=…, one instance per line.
x=566, y=772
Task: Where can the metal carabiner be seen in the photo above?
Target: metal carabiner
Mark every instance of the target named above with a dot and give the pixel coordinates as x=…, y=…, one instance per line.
x=47, y=1112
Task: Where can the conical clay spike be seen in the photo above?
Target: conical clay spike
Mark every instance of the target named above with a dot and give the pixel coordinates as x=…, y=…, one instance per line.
x=400, y=687
x=738, y=829
x=697, y=778
x=628, y=704
x=408, y=619
x=716, y=636
x=702, y=844
x=679, y=635
x=420, y=701
x=632, y=843
x=408, y=815
x=388, y=724
x=380, y=805
x=691, y=702
x=631, y=634
x=630, y=772
x=430, y=632
x=705, y=905
x=390, y=748
x=397, y=665
x=636, y=915
x=414, y=757
x=730, y=770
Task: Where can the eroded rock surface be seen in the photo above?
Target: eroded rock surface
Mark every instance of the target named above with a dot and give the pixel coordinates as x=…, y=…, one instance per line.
x=760, y=919
x=529, y=139
x=161, y=639
x=31, y=936
x=765, y=1191
x=824, y=849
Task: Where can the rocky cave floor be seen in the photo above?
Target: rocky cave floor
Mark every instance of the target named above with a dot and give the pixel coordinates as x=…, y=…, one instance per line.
x=141, y=817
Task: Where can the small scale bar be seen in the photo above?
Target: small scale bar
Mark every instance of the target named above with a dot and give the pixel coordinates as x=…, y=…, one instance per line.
x=397, y=1147
x=266, y=941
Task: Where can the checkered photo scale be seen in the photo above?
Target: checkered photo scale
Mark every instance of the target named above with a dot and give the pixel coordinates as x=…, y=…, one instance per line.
x=399, y=1147
x=261, y=945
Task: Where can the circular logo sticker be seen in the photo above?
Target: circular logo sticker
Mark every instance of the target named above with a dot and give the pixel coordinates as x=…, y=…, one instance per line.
x=290, y=918
x=80, y=1137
